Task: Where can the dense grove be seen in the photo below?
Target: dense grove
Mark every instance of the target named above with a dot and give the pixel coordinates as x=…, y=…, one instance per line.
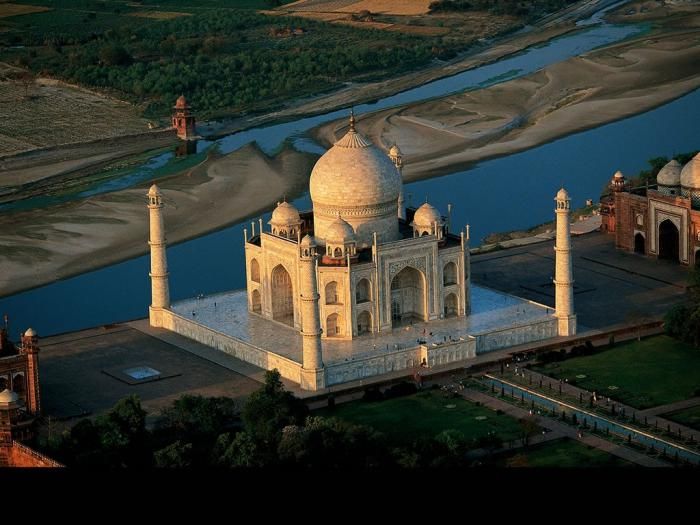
x=225, y=60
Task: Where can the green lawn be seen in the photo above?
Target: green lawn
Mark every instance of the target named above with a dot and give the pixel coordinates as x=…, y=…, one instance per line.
x=655, y=371
x=425, y=415
x=689, y=417
x=561, y=453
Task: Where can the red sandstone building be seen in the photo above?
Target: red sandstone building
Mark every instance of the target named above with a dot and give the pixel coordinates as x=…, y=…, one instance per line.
x=19, y=401
x=183, y=119
x=661, y=220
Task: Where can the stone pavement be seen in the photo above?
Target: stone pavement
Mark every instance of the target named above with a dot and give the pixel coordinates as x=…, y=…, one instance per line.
x=80, y=372
x=611, y=286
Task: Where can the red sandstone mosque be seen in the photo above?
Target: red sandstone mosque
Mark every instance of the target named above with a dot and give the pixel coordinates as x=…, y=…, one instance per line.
x=20, y=403
x=660, y=220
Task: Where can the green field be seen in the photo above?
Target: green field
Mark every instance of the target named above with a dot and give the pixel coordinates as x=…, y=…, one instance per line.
x=689, y=417
x=655, y=371
x=563, y=453
x=426, y=415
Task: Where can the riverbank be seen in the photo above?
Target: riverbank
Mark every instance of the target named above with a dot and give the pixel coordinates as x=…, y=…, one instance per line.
x=452, y=133
x=45, y=245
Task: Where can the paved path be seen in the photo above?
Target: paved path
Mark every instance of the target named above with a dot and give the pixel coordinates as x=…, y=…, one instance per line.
x=562, y=430
x=672, y=407
x=612, y=408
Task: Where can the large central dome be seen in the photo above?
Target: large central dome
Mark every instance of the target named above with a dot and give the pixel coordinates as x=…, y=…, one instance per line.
x=359, y=182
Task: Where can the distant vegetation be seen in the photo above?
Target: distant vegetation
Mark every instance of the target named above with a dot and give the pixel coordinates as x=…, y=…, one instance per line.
x=529, y=9
x=224, y=60
x=273, y=428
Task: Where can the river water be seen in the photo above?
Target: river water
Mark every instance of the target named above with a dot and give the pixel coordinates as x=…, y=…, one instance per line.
x=512, y=192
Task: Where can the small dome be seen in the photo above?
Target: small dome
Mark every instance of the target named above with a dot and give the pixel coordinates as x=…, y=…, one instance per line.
x=394, y=151
x=563, y=195
x=181, y=102
x=618, y=175
x=690, y=175
x=308, y=241
x=339, y=232
x=670, y=174
x=30, y=333
x=285, y=213
x=426, y=215
x=154, y=191
x=8, y=397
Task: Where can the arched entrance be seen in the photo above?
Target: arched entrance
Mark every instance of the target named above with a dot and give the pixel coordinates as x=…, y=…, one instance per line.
x=408, y=297
x=668, y=241
x=282, y=296
x=255, y=302
x=364, y=323
x=332, y=293
x=362, y=292
x=334, y=326
x=697, y=259
x=639, y=244
x=451, y=305
x=449, y=274
x=254, y=270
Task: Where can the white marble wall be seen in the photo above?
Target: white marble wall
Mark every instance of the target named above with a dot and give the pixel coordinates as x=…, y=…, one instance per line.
x=235, y=347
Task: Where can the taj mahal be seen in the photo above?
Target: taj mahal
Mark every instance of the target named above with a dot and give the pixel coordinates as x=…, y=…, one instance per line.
x=360, y=285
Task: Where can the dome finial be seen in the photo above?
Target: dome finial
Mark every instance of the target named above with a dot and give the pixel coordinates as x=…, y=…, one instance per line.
x=352, y=119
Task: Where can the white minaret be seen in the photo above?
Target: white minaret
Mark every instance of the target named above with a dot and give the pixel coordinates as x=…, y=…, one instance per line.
x=563, y=271
x=160, y=295
x=313, y=374
x=397, y=159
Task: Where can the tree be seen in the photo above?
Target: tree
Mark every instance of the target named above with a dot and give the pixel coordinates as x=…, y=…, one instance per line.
x=176, y=455
x=528, y=428
x=683, y=320
x=270, y=409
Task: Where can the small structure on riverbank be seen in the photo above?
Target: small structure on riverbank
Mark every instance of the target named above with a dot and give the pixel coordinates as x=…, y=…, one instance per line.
x=183, y=120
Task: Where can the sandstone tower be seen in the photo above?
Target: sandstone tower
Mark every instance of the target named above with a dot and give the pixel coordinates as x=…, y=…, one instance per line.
x=160, y=295
x=312, y=373
x=563, y=276
x=183, y=119
x=30, y=347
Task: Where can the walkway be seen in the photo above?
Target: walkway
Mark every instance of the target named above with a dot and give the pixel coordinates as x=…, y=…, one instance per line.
x=559, y=430
x=613, y=409
x=672, y=407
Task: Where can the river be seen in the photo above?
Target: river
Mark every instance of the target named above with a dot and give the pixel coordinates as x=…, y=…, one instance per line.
x=507, y=193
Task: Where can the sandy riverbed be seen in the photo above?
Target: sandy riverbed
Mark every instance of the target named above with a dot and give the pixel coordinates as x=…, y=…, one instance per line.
x=444, y=135
x=41, y=246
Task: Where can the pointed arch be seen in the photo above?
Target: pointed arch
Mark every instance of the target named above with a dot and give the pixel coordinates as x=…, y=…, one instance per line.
x=282, y=296
x=254, y=270
x=363, y=291
x=255, y=301
x=364, y=323
x=332, y=293
x=408, y=296
x=334, y=325
x=449, y=274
